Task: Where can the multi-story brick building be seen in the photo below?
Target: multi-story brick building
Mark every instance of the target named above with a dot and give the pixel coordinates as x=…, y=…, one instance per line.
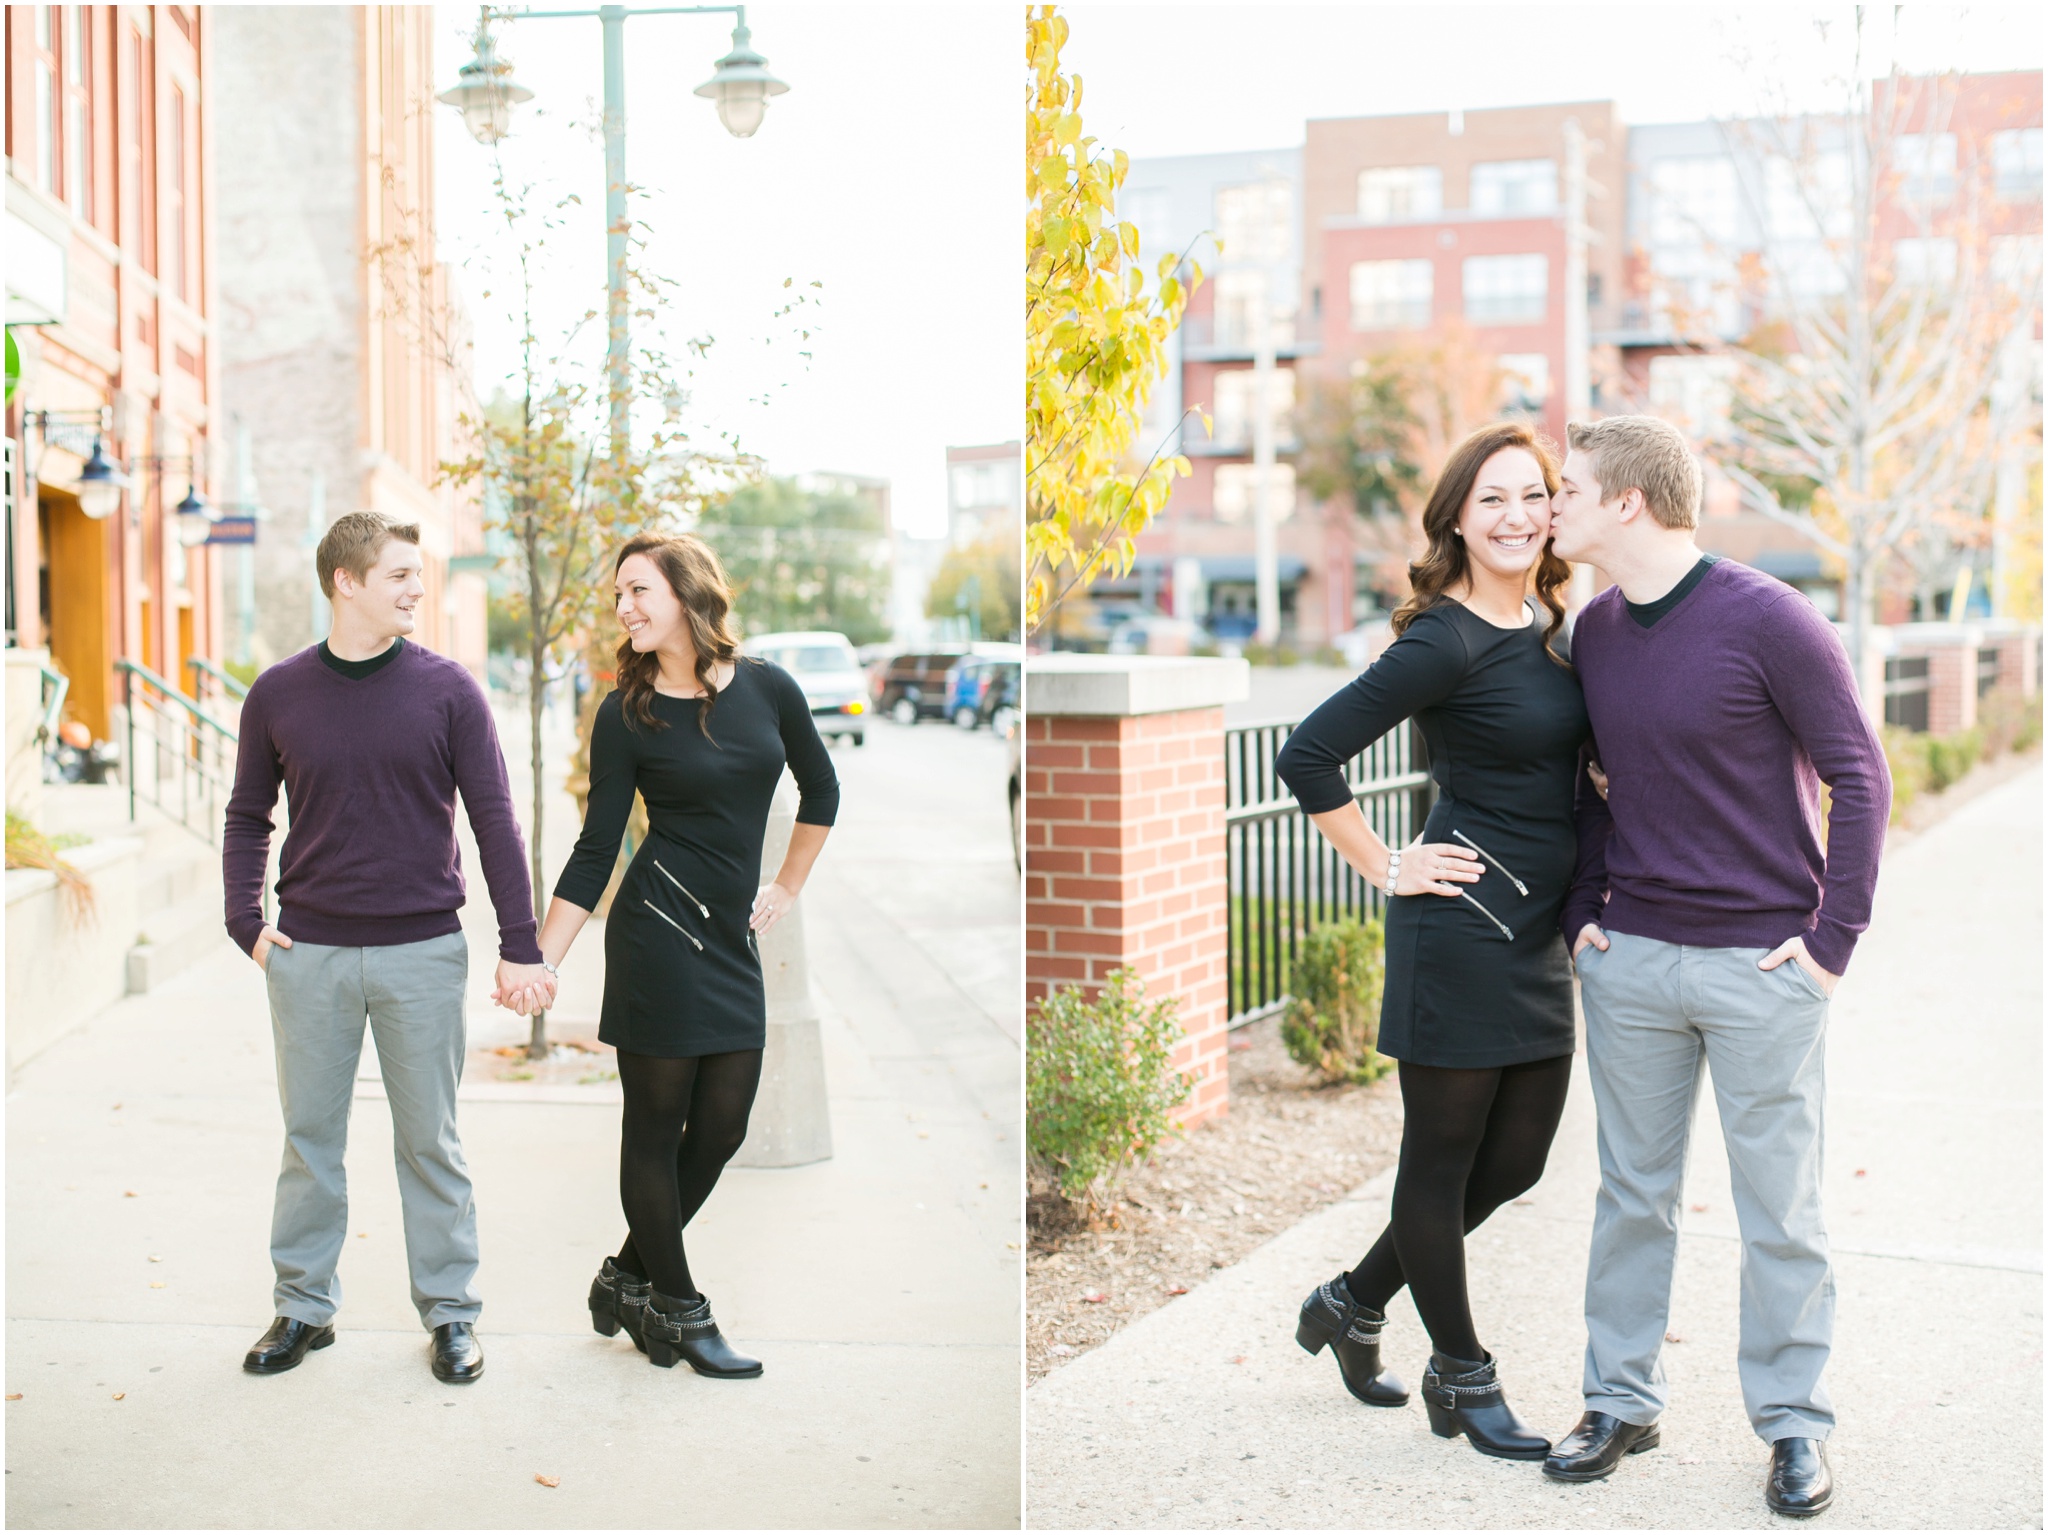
x=112, y=299
x=1451, y=230
x=344, y=348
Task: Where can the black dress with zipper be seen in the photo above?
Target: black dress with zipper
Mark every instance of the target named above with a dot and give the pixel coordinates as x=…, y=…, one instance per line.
x=1485, y=981
x=682, y=967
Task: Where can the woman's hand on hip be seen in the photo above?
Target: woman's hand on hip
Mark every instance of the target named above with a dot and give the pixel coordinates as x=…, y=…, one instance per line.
x=771, y=906
x=1437, y=868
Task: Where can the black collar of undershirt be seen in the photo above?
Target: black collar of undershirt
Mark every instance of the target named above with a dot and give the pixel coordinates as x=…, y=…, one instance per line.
x=357, y=670
x=1647, y=613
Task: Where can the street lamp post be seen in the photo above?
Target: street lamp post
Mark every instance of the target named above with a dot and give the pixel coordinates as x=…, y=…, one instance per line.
x=740, y=85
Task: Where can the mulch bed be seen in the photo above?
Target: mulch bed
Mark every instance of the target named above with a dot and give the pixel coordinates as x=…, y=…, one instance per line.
x=1286, y=1148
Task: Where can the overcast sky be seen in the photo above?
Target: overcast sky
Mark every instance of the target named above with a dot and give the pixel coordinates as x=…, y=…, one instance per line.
x=1196, y=79
x=889, y=172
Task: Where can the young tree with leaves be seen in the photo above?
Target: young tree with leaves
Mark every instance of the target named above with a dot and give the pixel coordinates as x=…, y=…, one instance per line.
x=1095, y=344
x=803, y=558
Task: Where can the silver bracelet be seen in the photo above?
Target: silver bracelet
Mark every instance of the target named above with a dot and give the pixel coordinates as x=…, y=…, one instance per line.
x=1393, y=871
x=551, y=970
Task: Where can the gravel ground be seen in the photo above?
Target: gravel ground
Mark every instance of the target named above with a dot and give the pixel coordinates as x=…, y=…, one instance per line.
x=1286, y=1148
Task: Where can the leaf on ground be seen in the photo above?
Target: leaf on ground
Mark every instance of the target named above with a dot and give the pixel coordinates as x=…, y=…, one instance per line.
x=1699, y=1209
x=1094, y=1297
x=130, y=1194
x=1176, y=1289
x=1672, y=1337
x=156, y=1284
x=1062, y=1349
x=14, y=1396
x=156, y=1257
x=120, y=1395
x=547, y=1481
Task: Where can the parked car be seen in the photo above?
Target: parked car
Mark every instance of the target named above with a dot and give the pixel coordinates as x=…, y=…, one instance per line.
x=914, y=685
x=1000, y=696
x=825, y=667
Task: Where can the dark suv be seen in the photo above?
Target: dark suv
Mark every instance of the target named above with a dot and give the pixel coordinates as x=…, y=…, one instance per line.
x=914, y=685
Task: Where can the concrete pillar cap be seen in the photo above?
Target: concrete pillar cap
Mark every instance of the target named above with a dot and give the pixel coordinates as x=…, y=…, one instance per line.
x=1066, y=683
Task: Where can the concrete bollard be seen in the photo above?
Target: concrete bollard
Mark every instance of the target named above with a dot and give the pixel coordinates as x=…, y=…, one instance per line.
x=791, y=1123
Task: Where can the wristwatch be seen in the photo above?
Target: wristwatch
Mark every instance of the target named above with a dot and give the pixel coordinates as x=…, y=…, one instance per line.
x=551, y=970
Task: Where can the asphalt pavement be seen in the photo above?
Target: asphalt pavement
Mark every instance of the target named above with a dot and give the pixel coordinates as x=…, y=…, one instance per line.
x=1205, y=1414
x=880, y=1287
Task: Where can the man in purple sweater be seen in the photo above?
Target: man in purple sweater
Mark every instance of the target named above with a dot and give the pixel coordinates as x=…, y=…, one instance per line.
x=1710, y=919
x=372, y=739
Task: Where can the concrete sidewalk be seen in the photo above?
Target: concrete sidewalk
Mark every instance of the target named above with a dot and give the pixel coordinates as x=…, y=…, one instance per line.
x=1205, y=1414
x=880, y=1287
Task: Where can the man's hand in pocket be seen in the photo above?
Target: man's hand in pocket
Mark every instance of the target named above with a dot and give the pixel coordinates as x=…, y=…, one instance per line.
x=270, y=938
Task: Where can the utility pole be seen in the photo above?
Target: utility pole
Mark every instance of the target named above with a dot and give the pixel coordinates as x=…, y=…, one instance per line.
x=1266, y=552
x=1578, y=369
x=618, y=382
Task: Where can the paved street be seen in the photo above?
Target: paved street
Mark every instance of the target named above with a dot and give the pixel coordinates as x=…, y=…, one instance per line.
x=880, y=1287
x=1205, y=1414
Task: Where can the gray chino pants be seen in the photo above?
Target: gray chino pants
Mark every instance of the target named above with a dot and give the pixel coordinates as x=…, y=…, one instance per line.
x=1655, y=1013
x=412, y=994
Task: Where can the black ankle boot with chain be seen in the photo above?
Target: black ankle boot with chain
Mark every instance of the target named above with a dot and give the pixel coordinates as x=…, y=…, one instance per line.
x=1464, y=1397
x=617, y=1299
x=684, y=1329
x=1331, y=1316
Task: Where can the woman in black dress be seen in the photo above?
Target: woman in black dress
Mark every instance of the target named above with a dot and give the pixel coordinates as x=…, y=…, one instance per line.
x=1478, y=1003
x=703, y=734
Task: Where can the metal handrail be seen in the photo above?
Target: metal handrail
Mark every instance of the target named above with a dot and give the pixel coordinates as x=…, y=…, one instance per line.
x=56, y=688
x=189, y=704
x=225, y=678
x=189, y=744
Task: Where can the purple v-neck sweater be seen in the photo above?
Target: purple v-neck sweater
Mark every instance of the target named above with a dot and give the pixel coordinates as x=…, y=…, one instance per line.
x=371, y=767
x=1717, y=726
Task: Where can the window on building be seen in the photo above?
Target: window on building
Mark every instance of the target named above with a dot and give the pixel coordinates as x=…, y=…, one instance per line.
x=1506, y=290
x=1511, y=188
x=1693, y=202
x=1235, y=488
x=1255, y=222
x=1400, y=194
x=1151, y=209
x=1693, y=392
x=1231, y=411
x=48, y=158
x=1238, y=297
x=1392, y=295
x=78, y=110
x=1924, y=262
x=1808, y=199
x=2016, y=163
x=2016, y=261
x=178, y=198
x=139, y=154
x=984, y=485
x=1926, y=166
x=1525, y=383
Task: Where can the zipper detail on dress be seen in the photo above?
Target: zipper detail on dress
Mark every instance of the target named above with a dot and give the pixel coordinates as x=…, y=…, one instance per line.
x=671, y=921
x=1505, y=929
x=1482, y=852
x=705, y=911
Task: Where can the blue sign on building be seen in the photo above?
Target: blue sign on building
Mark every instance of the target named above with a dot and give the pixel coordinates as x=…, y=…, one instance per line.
x=233, y=530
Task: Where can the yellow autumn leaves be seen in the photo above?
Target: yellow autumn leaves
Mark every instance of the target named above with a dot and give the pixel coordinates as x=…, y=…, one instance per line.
x=1095, y=345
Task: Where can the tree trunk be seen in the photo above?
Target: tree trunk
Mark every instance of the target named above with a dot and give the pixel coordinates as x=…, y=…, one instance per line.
x=536, y=700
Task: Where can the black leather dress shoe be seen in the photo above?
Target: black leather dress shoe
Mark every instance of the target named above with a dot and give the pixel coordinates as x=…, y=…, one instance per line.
x=288, y=1341
x=1595, y=1447
x=458, y=1357
x=1800, y=1483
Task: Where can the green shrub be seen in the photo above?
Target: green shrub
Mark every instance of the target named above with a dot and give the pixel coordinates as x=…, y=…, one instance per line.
x=1270, y=655
x=2010, y=723
x=1099, y=1082
x=1949, y=757
x=1332, y=1025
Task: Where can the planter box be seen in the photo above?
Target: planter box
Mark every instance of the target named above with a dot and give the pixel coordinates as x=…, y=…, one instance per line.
x=62, y=968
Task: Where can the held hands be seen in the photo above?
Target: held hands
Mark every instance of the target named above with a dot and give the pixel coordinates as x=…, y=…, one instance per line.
x=771, y=906
x=1795, y=949
x=1599, y=780
x=525, y=989
x=1436, y=868
x=270, y=938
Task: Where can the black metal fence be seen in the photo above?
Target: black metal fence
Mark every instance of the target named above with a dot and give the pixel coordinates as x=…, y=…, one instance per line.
x=1906, y=686
x=1284, y=878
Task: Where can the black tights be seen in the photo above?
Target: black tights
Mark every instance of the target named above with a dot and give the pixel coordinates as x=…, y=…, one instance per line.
x=685, y=1117
x=1471, y=1140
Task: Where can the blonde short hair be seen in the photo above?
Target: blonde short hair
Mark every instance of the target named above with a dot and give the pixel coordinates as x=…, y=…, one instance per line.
x=1646, y=454
x=353, y=544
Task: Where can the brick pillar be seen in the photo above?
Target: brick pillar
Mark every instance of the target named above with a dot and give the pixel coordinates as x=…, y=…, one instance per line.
x=1123, y=839
x=2019, y=659
x=1951, y=681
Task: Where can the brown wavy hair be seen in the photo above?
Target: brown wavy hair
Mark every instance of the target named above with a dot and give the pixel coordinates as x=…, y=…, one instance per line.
x=1443, y=564
x=698, y=580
